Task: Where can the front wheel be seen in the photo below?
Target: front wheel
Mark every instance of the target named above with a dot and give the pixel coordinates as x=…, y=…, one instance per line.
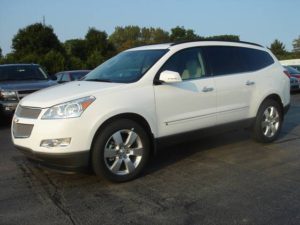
x=121, y=151
x=268, y=122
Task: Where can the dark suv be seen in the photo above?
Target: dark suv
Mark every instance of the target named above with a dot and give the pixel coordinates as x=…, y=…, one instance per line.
x=19, y=80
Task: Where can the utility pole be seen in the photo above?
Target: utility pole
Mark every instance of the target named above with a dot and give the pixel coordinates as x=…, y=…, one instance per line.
x=44, y=21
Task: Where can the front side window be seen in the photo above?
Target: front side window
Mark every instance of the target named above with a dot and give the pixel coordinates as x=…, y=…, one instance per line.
x=189, y=63
x=126, y=67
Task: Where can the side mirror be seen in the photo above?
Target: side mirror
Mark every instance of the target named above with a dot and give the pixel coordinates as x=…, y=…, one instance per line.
x=168, y=76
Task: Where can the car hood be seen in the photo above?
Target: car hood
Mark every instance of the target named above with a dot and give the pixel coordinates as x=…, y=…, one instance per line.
x=66, y=92
x=25, y=85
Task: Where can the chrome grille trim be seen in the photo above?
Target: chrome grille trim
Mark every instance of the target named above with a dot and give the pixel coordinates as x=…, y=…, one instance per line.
x=27, y=112
x=21, y=130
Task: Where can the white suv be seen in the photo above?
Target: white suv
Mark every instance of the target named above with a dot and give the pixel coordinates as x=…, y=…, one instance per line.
x=113, y=118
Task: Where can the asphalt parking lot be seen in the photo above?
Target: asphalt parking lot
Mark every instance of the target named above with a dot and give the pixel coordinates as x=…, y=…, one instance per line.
x=223, y=179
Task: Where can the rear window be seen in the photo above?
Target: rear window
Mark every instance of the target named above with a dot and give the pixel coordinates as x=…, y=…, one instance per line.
x=225, y=60
x=16, y=73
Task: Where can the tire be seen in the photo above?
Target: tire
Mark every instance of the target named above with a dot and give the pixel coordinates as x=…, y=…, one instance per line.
x=268, y=121
x=120, y=151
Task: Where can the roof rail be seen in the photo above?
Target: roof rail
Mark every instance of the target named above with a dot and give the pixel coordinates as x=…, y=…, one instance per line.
x=215, y=39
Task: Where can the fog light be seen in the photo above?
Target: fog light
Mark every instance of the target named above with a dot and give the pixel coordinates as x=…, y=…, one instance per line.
x=59, y=142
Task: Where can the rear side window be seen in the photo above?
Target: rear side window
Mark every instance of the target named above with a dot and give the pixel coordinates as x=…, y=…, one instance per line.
x=226, y=60
x=223, y=60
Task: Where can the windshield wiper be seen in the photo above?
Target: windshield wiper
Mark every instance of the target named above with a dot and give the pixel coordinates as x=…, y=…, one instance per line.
x=99, y=80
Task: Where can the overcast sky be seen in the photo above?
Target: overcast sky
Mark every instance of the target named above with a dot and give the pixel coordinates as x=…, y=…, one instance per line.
x=259, y=21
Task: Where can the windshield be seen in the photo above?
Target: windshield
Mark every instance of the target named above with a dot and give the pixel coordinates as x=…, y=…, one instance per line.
x=22, y=72
x=126, y=67
x=292, y=70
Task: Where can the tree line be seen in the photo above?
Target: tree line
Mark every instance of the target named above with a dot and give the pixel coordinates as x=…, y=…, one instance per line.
x=37, y=43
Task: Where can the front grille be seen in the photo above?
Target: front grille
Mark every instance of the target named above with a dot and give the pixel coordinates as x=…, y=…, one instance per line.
x=22, y=94
x=26, y=112
x=22, y=130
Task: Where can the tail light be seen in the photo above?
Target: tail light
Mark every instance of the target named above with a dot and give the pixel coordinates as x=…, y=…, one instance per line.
x=287, y=73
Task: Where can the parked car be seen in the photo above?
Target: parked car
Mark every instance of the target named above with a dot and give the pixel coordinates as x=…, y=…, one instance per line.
x=114, y=118
x=295, y=63
x=294, y=78
x=66, y=76
x=17, y=81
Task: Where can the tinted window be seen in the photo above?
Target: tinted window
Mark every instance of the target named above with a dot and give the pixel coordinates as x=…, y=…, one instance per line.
x=255, y=59
x=189, y=63
x=78, y=75
x=230, y=60
x=65, y=77
x=22, y=72
x=223, y=60
x=59, y=75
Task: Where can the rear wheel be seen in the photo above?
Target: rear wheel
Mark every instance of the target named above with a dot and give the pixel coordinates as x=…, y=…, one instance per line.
x=268, y=121
x=121, y=151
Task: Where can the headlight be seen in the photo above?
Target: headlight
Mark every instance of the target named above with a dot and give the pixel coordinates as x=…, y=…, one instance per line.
x=70, y=109
x=8, y=95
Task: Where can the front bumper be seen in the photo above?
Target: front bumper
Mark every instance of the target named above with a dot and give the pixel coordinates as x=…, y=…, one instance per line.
x=8, y=108
x=64, y=162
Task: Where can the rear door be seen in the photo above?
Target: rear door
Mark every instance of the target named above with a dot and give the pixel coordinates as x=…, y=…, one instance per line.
x=234, y=84
x=239, y=75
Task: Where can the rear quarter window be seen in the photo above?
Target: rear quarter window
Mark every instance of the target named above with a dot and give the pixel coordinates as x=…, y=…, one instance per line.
x=255, y=59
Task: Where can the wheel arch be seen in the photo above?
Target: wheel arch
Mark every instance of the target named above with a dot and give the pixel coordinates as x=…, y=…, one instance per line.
x=131, y=116
x=276, y=98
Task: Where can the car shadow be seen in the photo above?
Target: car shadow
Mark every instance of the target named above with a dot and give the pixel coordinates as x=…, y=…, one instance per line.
x=292, y=120
x=5, y=122
x=172, y=154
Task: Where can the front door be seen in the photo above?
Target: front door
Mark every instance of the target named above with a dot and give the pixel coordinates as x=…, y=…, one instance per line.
x=190, y=104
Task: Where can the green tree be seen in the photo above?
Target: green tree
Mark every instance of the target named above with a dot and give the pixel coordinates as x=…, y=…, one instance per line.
x=1, y=56
x=133, y=36
x=95, y=59
x=53, y=61
x=153, y=35
x=278, y=48
x=97, y=41
x=126, y=37
x=296, y=45
x=182, y=34
x=37, y=39
x=225, y=37
x=76, y=48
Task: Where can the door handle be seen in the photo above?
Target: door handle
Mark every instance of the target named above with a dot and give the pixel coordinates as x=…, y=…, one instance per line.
x=207, y=89
x=250, y=83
